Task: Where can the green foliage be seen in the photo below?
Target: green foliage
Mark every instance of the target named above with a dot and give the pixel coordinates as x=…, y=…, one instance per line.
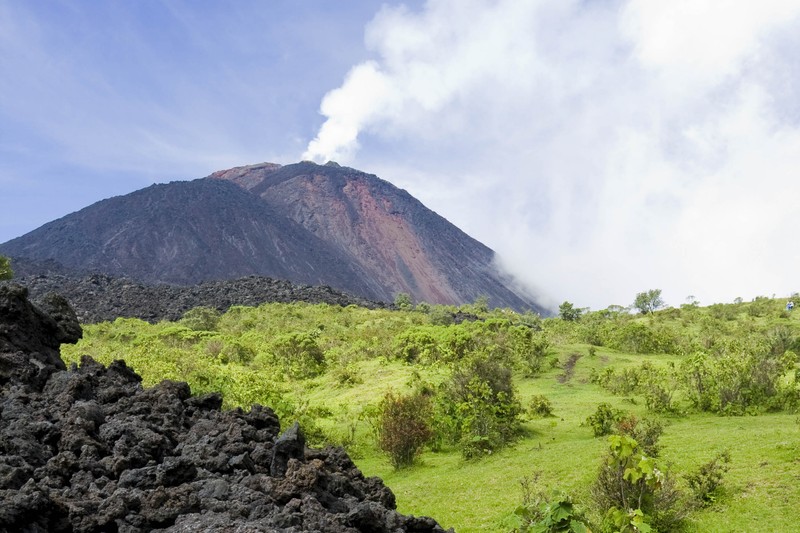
x=604, y=419
x=626, y=521
x=646, y=432
x=404, y=427
x=569, y=312
x=540, y=513
x=533, y=349
x=625, y=381
x=478, y=409
x=633, y=493
x=707, y=479
x=5, y=268
x=298, y=355
x=540, y=406
x=201, y=319
x=747, y=364
x=738, y=382
x=419, y=344
x=648, y=301
x=659, y=386
x=403, y=301
x=639, y=337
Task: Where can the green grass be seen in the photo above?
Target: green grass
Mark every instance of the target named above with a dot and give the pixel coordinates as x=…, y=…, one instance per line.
x=759, y=492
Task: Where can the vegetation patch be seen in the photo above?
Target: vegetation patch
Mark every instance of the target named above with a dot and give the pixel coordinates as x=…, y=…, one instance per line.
x=693, y=409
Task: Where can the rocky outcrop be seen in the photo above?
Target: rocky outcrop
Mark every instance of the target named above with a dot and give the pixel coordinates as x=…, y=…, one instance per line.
x=89, y=449
x=30, y=337
x=99, y=298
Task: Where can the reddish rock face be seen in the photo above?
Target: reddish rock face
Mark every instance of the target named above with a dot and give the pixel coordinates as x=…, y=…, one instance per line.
x=397, y=241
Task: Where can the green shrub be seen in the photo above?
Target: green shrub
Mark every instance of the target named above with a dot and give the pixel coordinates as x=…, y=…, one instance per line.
x=540, y=513
x=659, y=386
x=744, y=380
x=646, y=432
x=478, y=409
x=535, y=350
x=604, y=419
x=418, y=344
x=5, y=268
x=540, y=406
x=298, y=354
x=201, y=319
x=707, y=479
x=633, y=494
x=639, y=337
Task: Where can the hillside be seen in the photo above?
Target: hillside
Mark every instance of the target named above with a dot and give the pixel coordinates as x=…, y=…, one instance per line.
x=185, y=232
x=701, y=382
x=397, y=241
x=305, y=223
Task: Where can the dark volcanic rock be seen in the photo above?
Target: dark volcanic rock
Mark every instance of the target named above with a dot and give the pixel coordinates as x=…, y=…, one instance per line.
x=98, y=298
x=88, y=449
x=30, y=338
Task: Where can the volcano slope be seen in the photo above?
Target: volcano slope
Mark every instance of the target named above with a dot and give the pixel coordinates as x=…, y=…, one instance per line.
x=88, y=449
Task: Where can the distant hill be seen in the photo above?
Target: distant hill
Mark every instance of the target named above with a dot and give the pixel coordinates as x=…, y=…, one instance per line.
x=306, y=223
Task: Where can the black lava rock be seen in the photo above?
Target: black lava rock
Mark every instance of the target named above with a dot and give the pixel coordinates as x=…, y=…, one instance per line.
x=88, y=449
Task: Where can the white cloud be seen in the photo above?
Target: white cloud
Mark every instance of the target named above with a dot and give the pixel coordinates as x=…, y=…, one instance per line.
x=602, y=148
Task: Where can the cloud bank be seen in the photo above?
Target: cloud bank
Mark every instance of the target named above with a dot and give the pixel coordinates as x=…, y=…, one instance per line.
x=601, y=148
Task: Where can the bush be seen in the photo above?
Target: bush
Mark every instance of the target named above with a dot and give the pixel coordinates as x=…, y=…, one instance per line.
x=417, y=345
x=534, y=352
x=478, y=409
x=743, y=380
x=404, y=427
x=540, y=513
x=5, y=268
x=604, y=419
x=633, y=493
x=705, y=482
x=658, y=386
x=201, y=319
x=646, y=432
x=540, y=406
x=298, y=354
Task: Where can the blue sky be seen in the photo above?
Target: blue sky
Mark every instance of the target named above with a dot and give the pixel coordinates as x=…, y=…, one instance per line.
x=601, y=148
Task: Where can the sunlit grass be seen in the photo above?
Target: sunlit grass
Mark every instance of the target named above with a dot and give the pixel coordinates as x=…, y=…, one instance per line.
x=759, y=492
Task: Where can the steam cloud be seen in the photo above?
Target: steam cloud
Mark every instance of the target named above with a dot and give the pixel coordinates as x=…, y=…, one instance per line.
x=602, y=148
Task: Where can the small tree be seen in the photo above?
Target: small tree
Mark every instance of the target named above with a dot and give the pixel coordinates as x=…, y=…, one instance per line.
x=201, y=318
x=478, y=409
x=403, y=301
x=5, y=268
x=298, y=354
x=648, y=301
x=569, y=312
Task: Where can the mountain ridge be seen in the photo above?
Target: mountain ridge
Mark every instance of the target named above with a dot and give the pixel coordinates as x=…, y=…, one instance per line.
x=303, y=222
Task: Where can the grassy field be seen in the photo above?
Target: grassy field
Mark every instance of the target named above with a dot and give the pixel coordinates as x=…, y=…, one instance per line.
x=235, y=354
x=759, y=494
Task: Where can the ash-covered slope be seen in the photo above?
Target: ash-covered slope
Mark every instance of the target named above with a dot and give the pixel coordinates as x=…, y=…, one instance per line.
x=88, y=449
x=187, y=232
x=306, y=223
x=401, y=245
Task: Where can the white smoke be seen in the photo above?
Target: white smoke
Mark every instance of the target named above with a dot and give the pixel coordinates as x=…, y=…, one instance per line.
x=602, y=148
